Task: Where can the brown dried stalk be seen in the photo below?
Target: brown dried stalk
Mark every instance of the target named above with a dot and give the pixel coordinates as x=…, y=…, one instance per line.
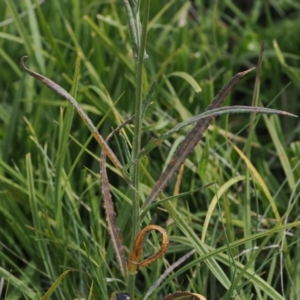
x=191, y=140
x=110, y=213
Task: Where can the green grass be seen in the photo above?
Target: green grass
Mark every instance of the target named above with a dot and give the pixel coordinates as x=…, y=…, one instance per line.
x=236, y=200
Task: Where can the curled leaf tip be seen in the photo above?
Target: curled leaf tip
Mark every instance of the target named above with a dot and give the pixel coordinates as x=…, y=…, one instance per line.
x=22, y=64
x=136, y=254
x=62, y=92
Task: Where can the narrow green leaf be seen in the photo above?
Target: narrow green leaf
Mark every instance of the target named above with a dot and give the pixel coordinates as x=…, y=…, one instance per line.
x=281, y=151
x=36, y=36
x=189, y=79
x=215, y=200
x=108, y=43
x=54, y=285
x=49, y=35
x=20, y=26
x=148, y=97
x=295, y=76
x=19, y=284
x=64, y=132
x=211, y=114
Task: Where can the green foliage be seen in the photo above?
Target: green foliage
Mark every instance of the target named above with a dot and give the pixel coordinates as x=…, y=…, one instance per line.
x=234, y=204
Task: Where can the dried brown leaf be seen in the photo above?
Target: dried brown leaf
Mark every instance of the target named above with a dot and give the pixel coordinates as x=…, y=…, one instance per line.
x=184, y=296
x=110, y=213
x=192, y=139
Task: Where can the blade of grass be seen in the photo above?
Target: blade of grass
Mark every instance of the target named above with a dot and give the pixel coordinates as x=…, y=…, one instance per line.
x=208, y=114
x=54, y=286
x=49, y=36
x=272, y=124
x=36, y=36
x=10, y=62
x=19, y=284
x=189, y=79
x=20, y=26
x=12, y=124
x=64, y=131
x=108, y=42
x=133, y=26
x=247, y=149
x=287, y=69
x=146, y=101
x=38, y=227
x=257, y=177
x=214, y=202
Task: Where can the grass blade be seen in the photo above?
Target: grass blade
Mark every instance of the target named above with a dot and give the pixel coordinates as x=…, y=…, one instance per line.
x=19, y=284
x=54, y=285
x=20, y=26
x=189, y=79
x=259, y=180
x=211, y=114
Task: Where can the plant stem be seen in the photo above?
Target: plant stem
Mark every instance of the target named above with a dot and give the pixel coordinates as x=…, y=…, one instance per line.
x=135, y=169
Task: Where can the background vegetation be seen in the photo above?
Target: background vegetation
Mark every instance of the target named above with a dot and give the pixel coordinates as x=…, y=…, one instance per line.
x=251, y=203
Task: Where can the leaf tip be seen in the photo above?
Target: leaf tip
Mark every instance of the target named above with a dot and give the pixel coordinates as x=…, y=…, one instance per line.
x=246, y=72
x=22, y=62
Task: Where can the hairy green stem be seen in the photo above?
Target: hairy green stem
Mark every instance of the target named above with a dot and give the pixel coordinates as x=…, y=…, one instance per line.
x=135, y=169
x=247, y=149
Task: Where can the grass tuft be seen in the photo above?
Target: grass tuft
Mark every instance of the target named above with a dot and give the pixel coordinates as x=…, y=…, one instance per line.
x=224, y=186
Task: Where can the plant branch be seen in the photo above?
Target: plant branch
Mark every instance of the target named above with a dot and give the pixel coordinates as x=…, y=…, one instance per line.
x=136, y=147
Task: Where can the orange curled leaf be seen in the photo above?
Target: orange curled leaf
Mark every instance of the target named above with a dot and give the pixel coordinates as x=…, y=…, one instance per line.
x=137, y=251
x=184, y=296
